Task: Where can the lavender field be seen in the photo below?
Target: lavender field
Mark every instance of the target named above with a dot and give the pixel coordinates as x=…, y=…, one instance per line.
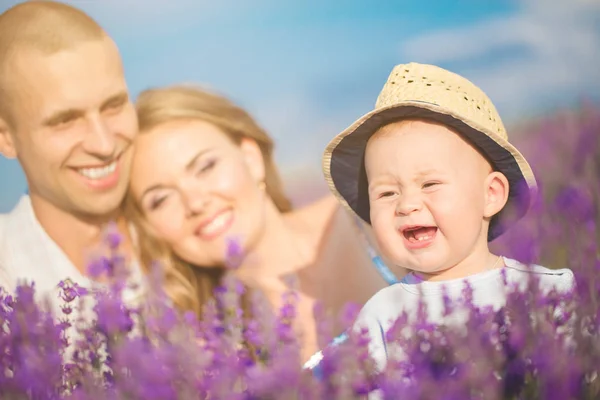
x=540, y=346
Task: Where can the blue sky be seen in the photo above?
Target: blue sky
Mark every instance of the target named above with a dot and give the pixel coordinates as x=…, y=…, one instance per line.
x=307, y=69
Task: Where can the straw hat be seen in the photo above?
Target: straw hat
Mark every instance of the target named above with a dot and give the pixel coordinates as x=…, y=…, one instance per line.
x=426, y=91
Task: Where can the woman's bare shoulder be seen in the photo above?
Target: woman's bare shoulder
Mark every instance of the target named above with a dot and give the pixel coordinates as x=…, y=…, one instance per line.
x=323, y=215
x=328, y=216
x=321, y=208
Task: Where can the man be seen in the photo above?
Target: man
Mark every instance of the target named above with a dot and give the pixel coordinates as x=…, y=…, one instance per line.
x=65, y=114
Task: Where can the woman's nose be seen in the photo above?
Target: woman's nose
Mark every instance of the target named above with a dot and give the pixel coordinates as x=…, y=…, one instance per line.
x=195, y=201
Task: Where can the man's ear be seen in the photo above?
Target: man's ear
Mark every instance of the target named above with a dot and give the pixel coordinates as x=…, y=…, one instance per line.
x=7, y=142
x=254, y=158
x=496, y=193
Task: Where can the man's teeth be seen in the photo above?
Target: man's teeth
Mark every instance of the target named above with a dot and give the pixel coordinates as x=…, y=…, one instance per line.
x=98, y=173
x=216, y=224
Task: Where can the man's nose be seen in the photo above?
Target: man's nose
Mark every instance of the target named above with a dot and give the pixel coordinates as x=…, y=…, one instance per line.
x=100, y=141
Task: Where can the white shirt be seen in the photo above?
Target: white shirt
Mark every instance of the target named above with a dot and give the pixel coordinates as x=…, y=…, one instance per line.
x=28, y=254
x=379, y=313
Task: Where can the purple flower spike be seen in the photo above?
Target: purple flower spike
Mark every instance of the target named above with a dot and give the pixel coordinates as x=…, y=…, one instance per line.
x=112, y=236
x=234, y=253
x=100, y=266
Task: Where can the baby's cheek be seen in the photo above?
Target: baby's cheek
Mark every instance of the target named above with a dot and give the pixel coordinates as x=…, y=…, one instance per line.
x=383, y=227
x=450, y=208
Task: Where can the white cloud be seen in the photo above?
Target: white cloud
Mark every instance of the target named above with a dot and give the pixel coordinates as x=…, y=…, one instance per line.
x=546, y=50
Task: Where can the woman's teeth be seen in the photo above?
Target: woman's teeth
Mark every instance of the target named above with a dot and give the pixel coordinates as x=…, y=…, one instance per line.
x=216, y=224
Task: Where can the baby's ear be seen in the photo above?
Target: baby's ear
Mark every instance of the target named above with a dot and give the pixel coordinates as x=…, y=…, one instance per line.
x=496, y=193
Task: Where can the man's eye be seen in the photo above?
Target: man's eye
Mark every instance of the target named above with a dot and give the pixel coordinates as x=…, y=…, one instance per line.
x=62, y=122
x=115, y=106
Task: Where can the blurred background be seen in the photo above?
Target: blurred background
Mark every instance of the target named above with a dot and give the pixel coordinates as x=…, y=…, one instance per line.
x=307, y=69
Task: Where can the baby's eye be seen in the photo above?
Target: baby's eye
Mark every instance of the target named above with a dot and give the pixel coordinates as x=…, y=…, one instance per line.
x=387, y=194
x=429, y=184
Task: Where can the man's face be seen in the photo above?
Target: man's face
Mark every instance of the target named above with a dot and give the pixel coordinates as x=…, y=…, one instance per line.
x=74, y=126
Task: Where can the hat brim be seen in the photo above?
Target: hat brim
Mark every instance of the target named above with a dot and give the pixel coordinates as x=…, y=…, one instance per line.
x=343, y=160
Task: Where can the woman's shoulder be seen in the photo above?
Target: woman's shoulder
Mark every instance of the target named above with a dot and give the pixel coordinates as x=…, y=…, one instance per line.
x=321, y=215
x=322, y=207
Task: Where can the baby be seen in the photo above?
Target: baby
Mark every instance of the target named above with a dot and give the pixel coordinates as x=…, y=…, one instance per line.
x=432, y=170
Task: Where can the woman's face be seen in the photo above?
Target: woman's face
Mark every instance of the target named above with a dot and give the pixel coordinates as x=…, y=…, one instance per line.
x=197, y=188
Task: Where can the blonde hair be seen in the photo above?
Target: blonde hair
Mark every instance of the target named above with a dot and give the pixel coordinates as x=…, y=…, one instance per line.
x=188, y=286
x=43, y=26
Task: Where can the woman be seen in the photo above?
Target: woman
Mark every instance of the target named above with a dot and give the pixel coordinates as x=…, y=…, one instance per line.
x=203, y=172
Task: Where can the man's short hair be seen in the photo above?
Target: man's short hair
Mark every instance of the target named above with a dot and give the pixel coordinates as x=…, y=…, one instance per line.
x=43, y=26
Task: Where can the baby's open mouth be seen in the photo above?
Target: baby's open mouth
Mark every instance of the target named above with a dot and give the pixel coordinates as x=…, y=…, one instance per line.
x=419, y=233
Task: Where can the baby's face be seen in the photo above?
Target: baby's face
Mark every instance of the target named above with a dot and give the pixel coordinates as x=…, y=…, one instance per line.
x=429, y=195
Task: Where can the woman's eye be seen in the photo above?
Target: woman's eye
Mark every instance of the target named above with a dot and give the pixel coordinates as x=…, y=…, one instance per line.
x=157, y=202
x=207, y=166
